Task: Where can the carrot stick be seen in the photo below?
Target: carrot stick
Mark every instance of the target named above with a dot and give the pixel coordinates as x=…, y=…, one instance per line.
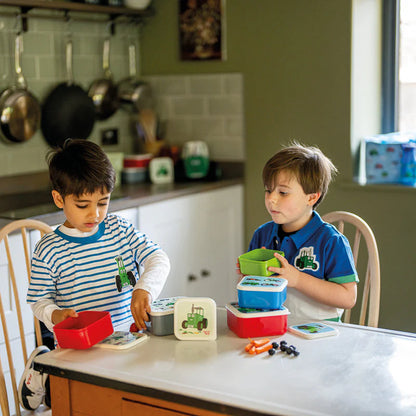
x=261, y=342
x=265, y=348
x=248, y=347
x=252, y=350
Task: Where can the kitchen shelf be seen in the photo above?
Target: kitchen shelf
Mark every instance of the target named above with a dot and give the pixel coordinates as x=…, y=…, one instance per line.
x=26, y=7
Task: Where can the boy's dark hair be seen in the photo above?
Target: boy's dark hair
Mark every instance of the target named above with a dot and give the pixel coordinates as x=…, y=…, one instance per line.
x=313, y=170
x=80, y=167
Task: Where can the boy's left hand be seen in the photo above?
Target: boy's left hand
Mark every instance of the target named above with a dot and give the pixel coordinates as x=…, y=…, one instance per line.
x=286, y=271
x=140, y=307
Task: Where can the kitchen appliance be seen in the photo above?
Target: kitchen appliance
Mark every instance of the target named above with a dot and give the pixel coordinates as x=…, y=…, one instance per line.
x=262, y=292
x=195, y=156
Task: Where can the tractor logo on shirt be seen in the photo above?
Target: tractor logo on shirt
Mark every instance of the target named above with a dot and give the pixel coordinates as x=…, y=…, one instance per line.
x=306, y=259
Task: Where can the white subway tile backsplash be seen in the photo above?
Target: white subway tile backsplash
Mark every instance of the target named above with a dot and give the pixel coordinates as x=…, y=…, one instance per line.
x=203, y=107
x=234, y=126
x=43, y=64
x=203, y=128
x=206, y=85
x=188, y=106
x=225, y=105
x=233, y=84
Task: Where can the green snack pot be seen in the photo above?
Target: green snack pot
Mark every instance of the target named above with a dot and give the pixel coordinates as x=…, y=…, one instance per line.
x=256, y=262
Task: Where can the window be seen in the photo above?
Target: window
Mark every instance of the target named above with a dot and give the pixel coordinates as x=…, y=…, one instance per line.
x=399, y=66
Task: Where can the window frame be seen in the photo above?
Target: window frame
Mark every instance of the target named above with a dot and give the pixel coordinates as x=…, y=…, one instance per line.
x=390, y=65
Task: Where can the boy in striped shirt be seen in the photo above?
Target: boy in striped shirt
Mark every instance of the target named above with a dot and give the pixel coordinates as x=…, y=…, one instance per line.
x=74, y=268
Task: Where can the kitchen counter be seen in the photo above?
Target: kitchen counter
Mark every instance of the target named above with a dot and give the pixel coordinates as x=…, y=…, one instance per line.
x=38, y=204
x=360, y=371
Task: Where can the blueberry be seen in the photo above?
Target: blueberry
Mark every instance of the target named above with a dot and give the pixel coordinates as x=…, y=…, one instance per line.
x=283, y=343
x=275, y=345
x=289, y=350
x=271, y=351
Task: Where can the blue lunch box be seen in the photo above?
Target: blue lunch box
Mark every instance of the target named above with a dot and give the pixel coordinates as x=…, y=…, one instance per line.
x=262, y=292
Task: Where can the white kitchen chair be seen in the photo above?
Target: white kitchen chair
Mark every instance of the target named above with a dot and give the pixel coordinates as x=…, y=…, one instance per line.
x=370, y=300
x=17, y=252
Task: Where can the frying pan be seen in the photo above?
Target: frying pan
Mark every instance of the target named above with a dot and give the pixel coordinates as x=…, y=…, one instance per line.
x=103, y=91
x=133, y=93
x=68, y=111
x=19, y=109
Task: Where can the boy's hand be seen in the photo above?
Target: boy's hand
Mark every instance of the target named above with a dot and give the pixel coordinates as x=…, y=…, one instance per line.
x=60, y=315
x=286, y=271
x=140, y=307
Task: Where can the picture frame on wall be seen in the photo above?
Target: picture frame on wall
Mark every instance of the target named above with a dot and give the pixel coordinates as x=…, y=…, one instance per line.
x=202, y=30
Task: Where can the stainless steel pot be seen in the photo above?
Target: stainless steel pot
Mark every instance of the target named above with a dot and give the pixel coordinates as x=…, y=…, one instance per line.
x=103, y=91
x=134, y=94
x=19, y=109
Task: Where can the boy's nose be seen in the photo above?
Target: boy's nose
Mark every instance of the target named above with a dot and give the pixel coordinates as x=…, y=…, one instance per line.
x=93, y=212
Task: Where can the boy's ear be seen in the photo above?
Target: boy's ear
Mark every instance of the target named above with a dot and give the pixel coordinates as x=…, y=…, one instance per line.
x=313, y=198
x=57, y=198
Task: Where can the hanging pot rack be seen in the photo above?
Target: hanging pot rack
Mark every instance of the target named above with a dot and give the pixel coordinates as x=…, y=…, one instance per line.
x=27, y=9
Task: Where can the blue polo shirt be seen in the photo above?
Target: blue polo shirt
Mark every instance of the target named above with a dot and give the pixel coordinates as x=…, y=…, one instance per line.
x=318, y=249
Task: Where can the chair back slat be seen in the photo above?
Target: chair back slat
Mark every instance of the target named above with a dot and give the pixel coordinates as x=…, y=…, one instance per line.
x=4, y=404
x=16, y=298
x=15, y=269
x=370, y=300
x=10, y=359
x=366, y=291
x=356, y=246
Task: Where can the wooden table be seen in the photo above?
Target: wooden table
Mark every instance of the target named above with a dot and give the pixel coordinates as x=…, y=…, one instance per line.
x=360, y=371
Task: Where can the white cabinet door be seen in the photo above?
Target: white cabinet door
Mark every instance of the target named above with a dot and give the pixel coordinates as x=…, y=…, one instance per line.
x=128, y=214
x=203, y=236
x=166, y=223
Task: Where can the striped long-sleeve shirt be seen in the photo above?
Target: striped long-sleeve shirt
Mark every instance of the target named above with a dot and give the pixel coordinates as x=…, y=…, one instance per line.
x=79, y=272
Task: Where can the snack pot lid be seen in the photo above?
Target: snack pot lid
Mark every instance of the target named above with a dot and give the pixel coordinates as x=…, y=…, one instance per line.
x=262, y=283
x=163, y=306
x=253, y=312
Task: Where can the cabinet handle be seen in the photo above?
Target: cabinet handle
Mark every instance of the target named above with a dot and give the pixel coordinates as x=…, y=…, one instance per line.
x=191, y=278
x=205, y=273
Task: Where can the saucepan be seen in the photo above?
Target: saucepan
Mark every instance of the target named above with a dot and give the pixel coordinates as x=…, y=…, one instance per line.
x=133, y=93
x=103, y=91
x=68, y=111
x=19, y=109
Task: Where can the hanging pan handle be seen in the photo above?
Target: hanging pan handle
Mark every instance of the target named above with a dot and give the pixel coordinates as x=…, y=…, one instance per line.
x=20, y=79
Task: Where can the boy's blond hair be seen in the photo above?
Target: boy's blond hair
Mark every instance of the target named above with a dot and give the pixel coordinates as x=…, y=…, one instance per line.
x=313, y=170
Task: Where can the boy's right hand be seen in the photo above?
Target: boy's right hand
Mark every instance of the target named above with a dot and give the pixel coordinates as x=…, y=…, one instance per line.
x=59, y=315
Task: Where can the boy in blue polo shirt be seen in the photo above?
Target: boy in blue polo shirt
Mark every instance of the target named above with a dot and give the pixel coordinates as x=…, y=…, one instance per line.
x=318, y=262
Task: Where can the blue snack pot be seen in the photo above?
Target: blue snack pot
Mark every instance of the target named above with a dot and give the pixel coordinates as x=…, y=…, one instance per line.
x=262, y=292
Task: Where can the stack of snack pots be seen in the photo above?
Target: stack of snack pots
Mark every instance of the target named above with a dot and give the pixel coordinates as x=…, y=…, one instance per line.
x=262, y=292
x=253, y=322
x=161, y=316
x=259, y=311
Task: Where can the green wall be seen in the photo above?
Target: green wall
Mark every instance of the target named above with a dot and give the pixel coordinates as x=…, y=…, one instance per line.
x=296, y=60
